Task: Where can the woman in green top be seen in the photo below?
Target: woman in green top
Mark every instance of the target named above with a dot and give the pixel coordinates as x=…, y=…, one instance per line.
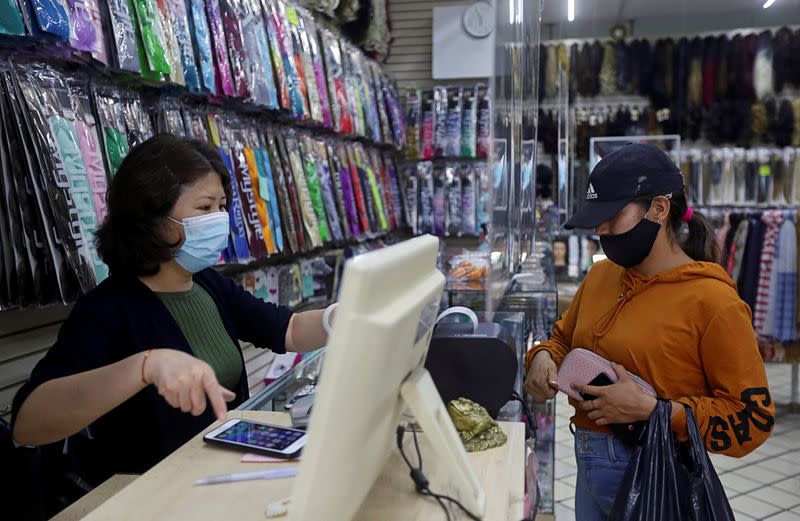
x=142, y=355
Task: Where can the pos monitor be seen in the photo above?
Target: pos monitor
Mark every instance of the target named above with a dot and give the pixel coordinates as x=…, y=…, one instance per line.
x=374, y=370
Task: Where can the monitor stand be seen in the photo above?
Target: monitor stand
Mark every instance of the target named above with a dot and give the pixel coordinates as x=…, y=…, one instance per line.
x=420, y=394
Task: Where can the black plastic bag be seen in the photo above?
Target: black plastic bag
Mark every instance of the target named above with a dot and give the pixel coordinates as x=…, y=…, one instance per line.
x=670, y=480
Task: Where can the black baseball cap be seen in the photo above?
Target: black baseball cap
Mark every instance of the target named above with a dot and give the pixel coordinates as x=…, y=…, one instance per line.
x=630, y=172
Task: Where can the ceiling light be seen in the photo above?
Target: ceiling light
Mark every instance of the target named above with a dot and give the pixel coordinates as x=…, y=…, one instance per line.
x=768, y=4
x=571, y=9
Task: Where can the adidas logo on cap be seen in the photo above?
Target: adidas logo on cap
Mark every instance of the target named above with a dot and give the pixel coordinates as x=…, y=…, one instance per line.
x=590, y=193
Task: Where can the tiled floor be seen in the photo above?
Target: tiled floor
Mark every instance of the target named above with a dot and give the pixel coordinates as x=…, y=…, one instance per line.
x=764, y=485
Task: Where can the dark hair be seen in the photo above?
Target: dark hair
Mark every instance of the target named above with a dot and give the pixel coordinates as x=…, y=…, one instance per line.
x=700, y=243
x=143, y=192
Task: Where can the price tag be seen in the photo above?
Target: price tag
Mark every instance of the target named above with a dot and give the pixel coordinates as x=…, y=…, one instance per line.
x=764, y=171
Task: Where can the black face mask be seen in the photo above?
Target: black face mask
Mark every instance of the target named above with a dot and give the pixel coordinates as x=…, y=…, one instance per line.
x=629, y=249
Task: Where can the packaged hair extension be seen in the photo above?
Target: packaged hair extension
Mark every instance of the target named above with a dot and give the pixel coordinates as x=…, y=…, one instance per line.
x=222, y=66
x=112, y=125
x=169, y=39
x=375, y=187
x=82, y=33
x=257, y=238
x=302, y=47
x=484, y=130
x=201, y=43
x=308, y=211
x=310, y=103
x=194, y=124
x=51, y=18
x=354, y=94
x=54, y=176
x=294, y=195
x=70, y=158
x=362, y=191
x=370, y=204
x=310, y=164
x=327, y=189
x=20, y=259
x=267, y=183
x=294, y=97
x=90, y=146
x=98, y=44
x=148, y=18
x=11, y=22
x=469, y=123
x=36, y=269
x=428, y=128
x=137, y=122
x=455, y=222
x=369, y=97
x=336, y=169
x=413, y=114
x=375, y=76
x=236, y=52
x=286, y=205
x=739, y=175
x=483, y=184
x=340, y=110
x=124, y=35
x=37, y=261
x=453, y=125
x=385, y=186
x=426, y=189
x=411, y=198
x=348, y=189
x=395, y=109
x=439, y=201
x=259, y=203
x=168, y=118
x=179, y=18
x=440, y=121
x=310, y=31
x=239, y=237
x=254, y=73
x=468, y=200
x=262, y=67
x=394, y=187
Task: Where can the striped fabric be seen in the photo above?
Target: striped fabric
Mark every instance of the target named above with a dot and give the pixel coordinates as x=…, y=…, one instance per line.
x=762, y=316
x=784, y=308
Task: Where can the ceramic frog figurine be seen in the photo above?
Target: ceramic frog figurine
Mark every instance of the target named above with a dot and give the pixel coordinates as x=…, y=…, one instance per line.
x=477, y=429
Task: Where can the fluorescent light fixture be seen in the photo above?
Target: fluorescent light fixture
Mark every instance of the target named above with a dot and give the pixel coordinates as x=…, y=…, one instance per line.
x=571, y=9
x=768, y=4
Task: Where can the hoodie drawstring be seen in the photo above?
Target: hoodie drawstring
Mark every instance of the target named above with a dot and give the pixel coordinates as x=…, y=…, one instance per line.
x=630, y=289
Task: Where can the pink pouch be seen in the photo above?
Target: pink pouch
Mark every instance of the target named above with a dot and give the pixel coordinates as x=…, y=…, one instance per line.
x=581, y=366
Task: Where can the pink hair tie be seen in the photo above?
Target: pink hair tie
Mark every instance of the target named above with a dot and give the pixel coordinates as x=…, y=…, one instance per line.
x=687, y=216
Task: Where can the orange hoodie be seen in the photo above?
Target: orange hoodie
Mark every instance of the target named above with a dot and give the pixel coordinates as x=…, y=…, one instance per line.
x=684, y=331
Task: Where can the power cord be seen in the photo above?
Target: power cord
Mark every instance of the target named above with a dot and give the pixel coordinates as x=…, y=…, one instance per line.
x=423, y=485
x=421, y=482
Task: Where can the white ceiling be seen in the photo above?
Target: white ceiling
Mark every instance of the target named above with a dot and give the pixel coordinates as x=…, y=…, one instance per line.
x=555, y=11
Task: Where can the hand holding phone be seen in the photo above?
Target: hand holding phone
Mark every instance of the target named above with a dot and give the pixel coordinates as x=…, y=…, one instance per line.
x=629, y=433
x=599, y=381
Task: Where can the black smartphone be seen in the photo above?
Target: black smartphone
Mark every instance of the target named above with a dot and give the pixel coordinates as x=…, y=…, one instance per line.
x=629, y=433
x=599, y=381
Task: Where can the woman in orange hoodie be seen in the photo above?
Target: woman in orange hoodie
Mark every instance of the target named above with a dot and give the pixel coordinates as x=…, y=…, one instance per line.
x=661, y=309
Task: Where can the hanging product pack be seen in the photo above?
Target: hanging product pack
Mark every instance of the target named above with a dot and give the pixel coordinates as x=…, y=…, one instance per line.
x=201, y=42
x=667, y=480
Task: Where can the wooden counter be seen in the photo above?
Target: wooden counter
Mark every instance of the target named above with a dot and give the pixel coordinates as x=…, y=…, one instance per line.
x=166, y=491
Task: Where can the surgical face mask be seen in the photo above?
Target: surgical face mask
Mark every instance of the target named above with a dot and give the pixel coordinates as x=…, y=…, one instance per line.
x=206, y=237
x=631, y=248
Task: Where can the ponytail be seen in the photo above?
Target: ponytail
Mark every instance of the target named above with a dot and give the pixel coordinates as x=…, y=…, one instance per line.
x=700, y=243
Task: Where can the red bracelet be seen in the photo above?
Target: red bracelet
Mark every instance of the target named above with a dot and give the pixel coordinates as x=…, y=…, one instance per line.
x=146, y=354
